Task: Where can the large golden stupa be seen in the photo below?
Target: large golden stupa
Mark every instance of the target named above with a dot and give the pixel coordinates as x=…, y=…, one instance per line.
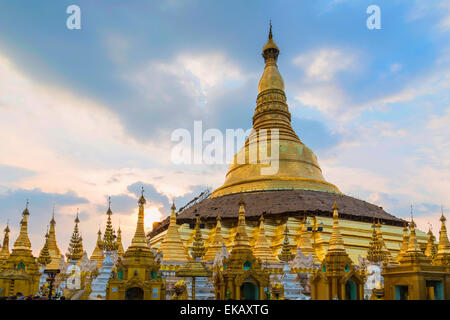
x=296, y=195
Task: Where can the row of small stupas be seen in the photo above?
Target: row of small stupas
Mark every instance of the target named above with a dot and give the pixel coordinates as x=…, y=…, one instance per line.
x=21, y=260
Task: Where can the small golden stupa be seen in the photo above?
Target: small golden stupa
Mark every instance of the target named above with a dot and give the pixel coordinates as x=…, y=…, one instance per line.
x=75, y=250
x=138, y=274
x=20, y=272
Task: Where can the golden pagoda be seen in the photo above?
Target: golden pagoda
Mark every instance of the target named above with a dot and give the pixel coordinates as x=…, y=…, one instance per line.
x=338, y=277
x=120, y=250
x=75, y=250
x=4, y=252
x=297, y=164
x=243, y=276
x=296, y=193
x=215, y=241
x=97, y=254
x=53, y=249
x=431, y=249
x=20, y=272
x=443, y=252
x=138, y=273
x=261, y=249
x=172, y=247
x=415, y=278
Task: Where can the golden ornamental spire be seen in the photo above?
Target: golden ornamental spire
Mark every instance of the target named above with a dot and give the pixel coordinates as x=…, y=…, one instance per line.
x=286, y=253
x=443, y=252
x=261, y=249
x=405, y=242
x=241, y=237
x=54, y=251
x=139, y=239
x=172, y=247
x=44, y=256
x=23, y=242
x=374, y=253
x=413, y=255
x=385, y=254
x=431, y=249
x=336, y=241
x=198, y=246
x=304, y=241
x=4, y=252
x=75, y=251
x=215, y=244
x=120, y=250
x=109, y=242
x=97, y=254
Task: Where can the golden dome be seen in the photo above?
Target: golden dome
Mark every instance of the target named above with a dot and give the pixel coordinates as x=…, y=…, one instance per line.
x=298, y=167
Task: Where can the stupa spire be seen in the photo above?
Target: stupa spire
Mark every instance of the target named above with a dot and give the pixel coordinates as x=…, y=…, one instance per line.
x=139, y=239
x=172, y=247
x=97, y=254
x=443, y=252
x=405, y=242
x=261, y=249
x=23, y=242
x=198, y=246
x=54, y=251
x=431, y=249
x=4, y=252
x=336, y=241
x=413, y=255
x=75, y=250
x=241, y=237
x=385, y=254
x=120, y=249
x=44, y=256
x=374, y=251
x=304, y=241
x=216, y=241
x=286, y=254
x=109, y=240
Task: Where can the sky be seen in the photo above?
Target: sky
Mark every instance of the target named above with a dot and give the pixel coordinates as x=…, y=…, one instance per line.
x=88, y=113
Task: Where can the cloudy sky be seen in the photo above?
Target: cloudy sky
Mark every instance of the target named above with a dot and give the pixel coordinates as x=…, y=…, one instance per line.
x=86, y=114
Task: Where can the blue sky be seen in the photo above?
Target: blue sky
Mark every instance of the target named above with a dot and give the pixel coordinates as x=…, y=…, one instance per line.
x=86, y=114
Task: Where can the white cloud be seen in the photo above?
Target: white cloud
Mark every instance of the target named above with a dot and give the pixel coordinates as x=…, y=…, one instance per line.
x=324, y=64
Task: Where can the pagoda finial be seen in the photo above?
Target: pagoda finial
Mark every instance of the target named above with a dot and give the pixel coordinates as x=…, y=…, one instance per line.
x=270, y=29
x=142, y=200
x=241, y=237
x=336, y=241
